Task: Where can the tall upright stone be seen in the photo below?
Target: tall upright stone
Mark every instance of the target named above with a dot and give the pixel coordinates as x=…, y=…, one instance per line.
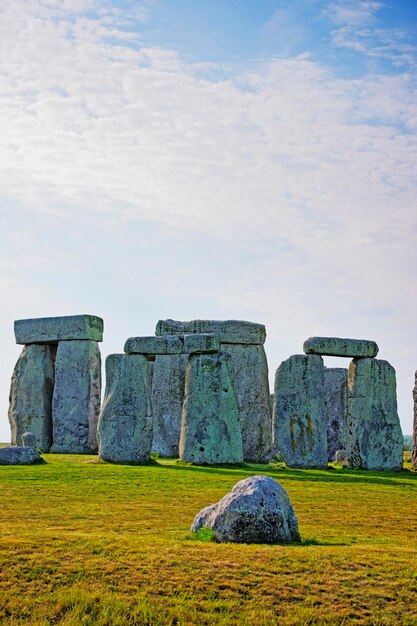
x=76, y=397
x=335, y=408
x=414, y=448
x=244, y=342
x=374, y=437
x=253, y=399
x=167, y=399
x=299, y=423
x=31, y=392
x=125, y=423
x=210, y=427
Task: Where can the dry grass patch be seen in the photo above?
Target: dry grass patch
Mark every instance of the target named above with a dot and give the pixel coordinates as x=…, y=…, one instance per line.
x=83, y=542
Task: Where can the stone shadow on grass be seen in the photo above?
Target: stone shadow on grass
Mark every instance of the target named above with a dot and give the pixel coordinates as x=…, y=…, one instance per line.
x=342, y=475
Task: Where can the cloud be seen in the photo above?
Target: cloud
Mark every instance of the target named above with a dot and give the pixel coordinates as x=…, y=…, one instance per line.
x=283, y=193
x=357, y=27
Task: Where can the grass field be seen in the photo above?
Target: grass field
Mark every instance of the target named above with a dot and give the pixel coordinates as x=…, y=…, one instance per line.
x=83, y=542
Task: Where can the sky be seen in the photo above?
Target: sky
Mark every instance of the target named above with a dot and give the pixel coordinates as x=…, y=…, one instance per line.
x=222, y=159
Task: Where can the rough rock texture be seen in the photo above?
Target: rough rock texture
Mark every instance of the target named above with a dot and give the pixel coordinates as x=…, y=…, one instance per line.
x=31, y=392
x=199, y=343
x=125, y=424
x=210, y=427
x=253, y=399
x=341, y=457
x=335, y=408
x=54, y=329
x=167, y=398
x=334, y=346
x=29, y=440
x=231, y=331
x=154, y=345
x=19, y=456
x=76, y=399
x=299, y=423
x=257, y=510
x=374, y=437
x=414, y=448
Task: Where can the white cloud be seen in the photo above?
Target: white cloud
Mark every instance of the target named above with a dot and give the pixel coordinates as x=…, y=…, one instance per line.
x=290, y=192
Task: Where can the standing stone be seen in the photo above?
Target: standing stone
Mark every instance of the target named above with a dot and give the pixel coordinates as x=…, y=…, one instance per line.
x=76, y=399
x=167, y=398
x=374, y=437
x=125, y=424
x=29, y=440
x=414, y=448
x=335, y=408
x=253, y=399
x=31, y=392
x=210, y=427
x=299, y=423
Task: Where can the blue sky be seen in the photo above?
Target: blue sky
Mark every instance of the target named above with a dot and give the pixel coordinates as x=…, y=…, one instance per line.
x=222, y=159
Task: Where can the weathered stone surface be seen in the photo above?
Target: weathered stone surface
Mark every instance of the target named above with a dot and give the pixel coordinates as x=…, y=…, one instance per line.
x=76, y=398
x=20, y=456
x=374, y=437
x=341, y=457
x=154, y=345
x=200, y=343
x=125, y=424
x=335, y=408
x=253, y=399
x=31, y=392
x=231, y=331
x=29, y=440
x=53, y=329
x=414, y=448
x=257, y=510
x=299, y=423
x=210, y=427
x=167, y=398
x=335, y=346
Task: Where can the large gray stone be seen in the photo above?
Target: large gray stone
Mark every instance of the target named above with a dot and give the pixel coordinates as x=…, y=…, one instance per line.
x=154, y=345
x=253, y=399
x=210, y=426
x=167, y=398
x=414, y=448
x=200, y=343
x=29, y=440
x=125, y=424
x=257, y=510
x=335, y=408
x=374, y=437
x=299, y=423
x=53, y=329
x=20, y=456
x=76, y=399
x=230, y=331
x=31, y=392
x=335, y=346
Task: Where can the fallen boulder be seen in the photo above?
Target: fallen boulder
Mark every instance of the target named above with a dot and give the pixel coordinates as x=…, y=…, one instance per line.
x=20, y=456
x=257, y=510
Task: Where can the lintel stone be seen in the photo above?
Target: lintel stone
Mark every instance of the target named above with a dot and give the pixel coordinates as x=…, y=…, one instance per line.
x=335, y=346
x=48, y=330
x=154, y=345
x=231, y=331
x=199, y=343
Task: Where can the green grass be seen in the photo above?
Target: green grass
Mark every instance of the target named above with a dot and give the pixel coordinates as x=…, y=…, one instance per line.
x=83, y=542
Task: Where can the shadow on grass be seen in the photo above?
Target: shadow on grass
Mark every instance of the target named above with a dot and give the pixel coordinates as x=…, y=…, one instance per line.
x=332, y=475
